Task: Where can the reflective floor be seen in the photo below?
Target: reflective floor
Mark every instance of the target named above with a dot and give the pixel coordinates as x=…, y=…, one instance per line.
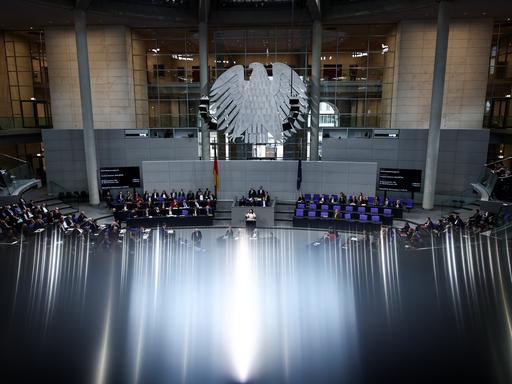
x=286, y=307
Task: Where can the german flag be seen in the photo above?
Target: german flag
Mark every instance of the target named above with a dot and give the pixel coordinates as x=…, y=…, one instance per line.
x=215, y=171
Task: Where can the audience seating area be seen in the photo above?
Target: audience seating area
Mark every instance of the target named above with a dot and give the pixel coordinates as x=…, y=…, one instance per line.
x=27, y=218
x=173, y=204
x=374, y=209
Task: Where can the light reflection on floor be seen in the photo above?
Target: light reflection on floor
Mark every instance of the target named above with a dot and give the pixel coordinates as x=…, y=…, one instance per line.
x=267, y=310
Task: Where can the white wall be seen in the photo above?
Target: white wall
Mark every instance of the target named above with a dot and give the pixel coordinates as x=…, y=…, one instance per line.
x=279, y=178
x=466, y=73
x=110, y=61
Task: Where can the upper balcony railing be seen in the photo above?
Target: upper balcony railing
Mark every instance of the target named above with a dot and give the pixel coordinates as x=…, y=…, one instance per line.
x=9, y=122
x=14, y=172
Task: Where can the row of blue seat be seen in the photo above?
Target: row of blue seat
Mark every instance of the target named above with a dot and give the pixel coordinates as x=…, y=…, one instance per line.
x=347, y=208
x=371, y=199
x=347, y=216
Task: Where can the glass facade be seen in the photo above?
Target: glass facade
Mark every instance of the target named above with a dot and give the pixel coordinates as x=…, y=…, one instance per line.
x=27, y=74
x=498, y=108
x=357, y=74
x=166, y=78
x=357, y=64
x=232, y=47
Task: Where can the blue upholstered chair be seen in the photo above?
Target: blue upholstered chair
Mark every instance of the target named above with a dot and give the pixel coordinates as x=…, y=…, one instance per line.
x=363, y=217
x=376, y=219
x=388, y=212
x=374, y=211
x=324, y=214
x=324, y=207
x=301, y=206
x=307, y=197
x=361, y=209
x=311, y=213
x=347, y=216
x=349, y=208
x=299, y=212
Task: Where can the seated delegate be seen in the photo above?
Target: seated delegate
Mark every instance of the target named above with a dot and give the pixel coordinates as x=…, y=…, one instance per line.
x=255, y=198
x=164, y=204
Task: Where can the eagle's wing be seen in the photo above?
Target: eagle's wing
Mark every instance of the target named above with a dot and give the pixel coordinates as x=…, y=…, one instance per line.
x=284, y=78
x=226, y=97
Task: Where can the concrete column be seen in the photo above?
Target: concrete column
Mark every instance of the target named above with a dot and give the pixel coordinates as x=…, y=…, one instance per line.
x=436, y=108
x=86, y=103
x=314, y=99
x=203, y=76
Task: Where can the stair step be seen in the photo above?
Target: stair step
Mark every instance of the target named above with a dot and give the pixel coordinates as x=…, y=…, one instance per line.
x=61, y=207
x=223, y=217
x=48, y=202
x=70, y=212
x=103, y=217
x=46, y=199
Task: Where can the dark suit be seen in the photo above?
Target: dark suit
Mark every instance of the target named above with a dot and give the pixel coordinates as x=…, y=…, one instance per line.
x=196, y=238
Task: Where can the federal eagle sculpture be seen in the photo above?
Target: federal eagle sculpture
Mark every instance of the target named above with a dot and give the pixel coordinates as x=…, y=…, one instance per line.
x=254, y=108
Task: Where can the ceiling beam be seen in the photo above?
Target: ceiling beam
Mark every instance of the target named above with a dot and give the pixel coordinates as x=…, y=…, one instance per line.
x=203, y=10
x=366, y=10
x=314, y=9
x=143, y=12
x=83, y=4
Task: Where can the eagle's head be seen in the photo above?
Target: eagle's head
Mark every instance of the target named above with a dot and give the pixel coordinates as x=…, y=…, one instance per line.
x=257, y=69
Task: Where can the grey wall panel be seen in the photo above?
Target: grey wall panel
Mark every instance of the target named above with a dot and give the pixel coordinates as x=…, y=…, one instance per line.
x=278, y=177
x=65, y=161
x=462, y=152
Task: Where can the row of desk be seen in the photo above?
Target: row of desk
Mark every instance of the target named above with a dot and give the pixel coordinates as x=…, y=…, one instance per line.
x=125, y=215
x=131, y=205
x=367, y=209
x=170, y=221
x=338, y=224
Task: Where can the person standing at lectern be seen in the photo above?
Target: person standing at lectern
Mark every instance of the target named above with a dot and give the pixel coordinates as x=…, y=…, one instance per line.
x=229, y=233
x=250, y=221
x=196, y=237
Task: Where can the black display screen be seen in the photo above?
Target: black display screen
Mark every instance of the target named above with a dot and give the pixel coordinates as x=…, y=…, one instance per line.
x=120, y=177
x=401, y=180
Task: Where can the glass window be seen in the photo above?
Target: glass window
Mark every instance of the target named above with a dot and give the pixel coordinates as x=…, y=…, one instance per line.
x=498, y=109
x=357, y=69
x=357, y=64
x=28, y=78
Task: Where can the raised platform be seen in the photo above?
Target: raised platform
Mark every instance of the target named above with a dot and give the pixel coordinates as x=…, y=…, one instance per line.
x=339, y=224
x=264, y=215
x=170, y=221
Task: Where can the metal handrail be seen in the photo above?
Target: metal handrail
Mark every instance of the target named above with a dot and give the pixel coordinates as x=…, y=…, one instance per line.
x=13, y=158
x=498, y=161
